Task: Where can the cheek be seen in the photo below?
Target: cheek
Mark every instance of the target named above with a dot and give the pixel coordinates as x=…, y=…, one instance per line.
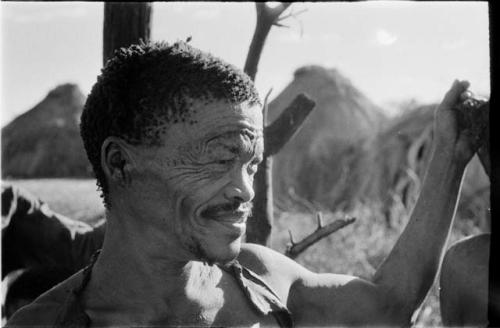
x=195, y=187
x=185, y=208
x=161, y=178
x=181, y=187
x=192, y=196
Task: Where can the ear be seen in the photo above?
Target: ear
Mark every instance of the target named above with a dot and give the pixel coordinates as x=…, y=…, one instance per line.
x=116, y=161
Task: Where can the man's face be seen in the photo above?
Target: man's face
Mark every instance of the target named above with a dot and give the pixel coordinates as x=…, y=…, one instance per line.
x=200, y=182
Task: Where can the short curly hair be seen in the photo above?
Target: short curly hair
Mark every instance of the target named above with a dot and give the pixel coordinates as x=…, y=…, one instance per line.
x=146, y=87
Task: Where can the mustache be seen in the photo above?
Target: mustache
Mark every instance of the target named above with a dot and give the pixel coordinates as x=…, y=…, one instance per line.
x=215, y=210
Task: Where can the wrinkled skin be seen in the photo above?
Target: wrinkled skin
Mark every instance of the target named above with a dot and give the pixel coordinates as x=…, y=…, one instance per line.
x=198, y=185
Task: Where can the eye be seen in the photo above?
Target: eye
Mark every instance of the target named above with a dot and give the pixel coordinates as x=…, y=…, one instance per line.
x=224, y=161
x=257, y=161
x=254, y=165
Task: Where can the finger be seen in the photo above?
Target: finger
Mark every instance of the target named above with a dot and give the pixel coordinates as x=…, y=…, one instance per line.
x=466, y=95
x=456, y=90
x=453, y=95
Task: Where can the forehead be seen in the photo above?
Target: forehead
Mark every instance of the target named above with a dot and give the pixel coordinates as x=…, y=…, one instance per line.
x=209, y=118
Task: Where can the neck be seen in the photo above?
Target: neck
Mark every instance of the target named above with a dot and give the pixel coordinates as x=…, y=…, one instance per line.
x=140, y=263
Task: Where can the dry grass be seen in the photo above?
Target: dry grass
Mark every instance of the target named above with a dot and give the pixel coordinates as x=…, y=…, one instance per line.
x=356, y=250
x=75, y=198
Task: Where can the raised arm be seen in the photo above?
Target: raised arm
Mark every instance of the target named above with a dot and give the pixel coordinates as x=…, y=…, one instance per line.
x=404, y=278
x=410, y=269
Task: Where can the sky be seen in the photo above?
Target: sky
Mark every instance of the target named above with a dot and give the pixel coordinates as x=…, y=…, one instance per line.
x=393, y=51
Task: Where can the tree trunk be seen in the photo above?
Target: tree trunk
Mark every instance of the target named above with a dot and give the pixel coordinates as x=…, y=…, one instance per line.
x=125, y=23
x=254, y=52
x=260, y=224
x=276, y=135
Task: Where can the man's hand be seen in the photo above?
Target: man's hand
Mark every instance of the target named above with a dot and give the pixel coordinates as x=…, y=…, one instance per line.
x=460, y=123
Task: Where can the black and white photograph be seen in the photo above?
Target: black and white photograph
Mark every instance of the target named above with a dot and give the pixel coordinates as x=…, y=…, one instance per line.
x=246, y=164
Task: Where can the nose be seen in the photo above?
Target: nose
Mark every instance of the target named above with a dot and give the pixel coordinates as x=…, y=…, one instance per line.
x=241, y=187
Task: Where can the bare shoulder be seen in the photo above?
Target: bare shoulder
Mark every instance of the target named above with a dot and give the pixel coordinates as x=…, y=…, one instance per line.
x=314, y=298
x=464, y=260
x=266, y=261
x=473, y=244
x=279, y=271
x=269, y=263
x=467, y=253
x=44, y=310
x=464, y=282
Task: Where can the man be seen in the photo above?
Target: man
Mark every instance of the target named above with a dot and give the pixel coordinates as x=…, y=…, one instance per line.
x=175, y=137
x=40, y=247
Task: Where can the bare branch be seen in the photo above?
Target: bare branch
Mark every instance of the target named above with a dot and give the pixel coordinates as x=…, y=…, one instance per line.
x=259, y=228
x=265, y=108
x=260, y=224
x=296, y=248
x=278, y=133
x=292, y=14
x=292, y=242
x=261, y=8
x=280, y=25
x=266, y=18
x=275, y=12
x=266, y=99
x=319, y=217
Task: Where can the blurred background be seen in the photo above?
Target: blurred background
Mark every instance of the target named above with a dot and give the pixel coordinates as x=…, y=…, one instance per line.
x=376, y=71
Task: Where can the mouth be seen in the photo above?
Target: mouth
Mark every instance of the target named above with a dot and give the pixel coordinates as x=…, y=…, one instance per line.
x=227, y=212
x=233, y=216
x=230, y=217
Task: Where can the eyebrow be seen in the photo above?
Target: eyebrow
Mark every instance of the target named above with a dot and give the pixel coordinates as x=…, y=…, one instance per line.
x=235, y=147
x=239, y=128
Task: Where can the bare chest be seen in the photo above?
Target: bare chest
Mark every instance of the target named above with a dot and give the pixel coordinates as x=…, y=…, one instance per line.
x=221, y=305
x=199, y=302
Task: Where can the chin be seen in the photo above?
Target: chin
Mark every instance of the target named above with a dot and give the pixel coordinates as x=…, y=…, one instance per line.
x=216, y=251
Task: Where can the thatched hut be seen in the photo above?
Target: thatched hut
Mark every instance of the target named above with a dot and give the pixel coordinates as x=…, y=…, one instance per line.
x=348, y=152
x=45, y=141
x=310, y=165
